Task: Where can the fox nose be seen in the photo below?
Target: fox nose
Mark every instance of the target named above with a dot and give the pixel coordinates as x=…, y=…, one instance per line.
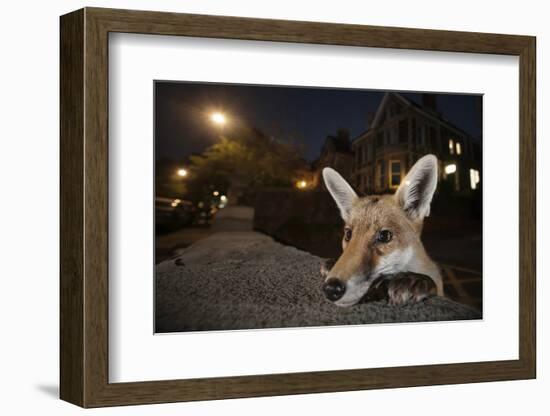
x=334, y=289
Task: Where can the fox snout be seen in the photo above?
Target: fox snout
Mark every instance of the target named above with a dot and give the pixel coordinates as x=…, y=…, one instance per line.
x=345, y=292
x=347, y=279
x=334, y=289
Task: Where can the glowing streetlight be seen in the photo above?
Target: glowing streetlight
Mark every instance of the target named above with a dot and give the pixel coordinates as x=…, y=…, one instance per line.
x=215, y=193
x=223, y=198
x=182, y=172
x=301, y=184
x=218, y=118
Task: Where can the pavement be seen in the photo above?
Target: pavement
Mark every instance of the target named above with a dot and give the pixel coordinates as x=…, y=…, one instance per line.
x=167, y=244
x=236, y=278
x=460, y=258
x=237, y=218
x=462, y=284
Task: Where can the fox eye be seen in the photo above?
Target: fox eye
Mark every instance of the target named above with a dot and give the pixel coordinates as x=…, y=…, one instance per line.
x=384, y=236
x=347, y=234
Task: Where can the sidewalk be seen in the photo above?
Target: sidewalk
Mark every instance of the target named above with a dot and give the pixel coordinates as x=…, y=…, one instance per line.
x=231, y=218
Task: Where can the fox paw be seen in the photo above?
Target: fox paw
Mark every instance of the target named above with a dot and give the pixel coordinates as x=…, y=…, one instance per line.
x=408, y=288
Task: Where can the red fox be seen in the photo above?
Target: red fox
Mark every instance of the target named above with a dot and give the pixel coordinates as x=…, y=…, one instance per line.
x=381, y=242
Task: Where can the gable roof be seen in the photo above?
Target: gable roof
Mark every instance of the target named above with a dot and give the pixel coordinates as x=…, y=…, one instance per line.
x=417, y=107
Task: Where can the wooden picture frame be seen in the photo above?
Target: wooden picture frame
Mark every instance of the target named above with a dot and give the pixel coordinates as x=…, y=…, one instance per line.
x=84, y=207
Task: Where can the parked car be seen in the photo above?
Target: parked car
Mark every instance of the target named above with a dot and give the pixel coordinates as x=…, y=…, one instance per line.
x=204, y=213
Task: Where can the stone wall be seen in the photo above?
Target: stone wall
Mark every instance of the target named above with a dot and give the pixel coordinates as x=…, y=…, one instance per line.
x=309, y=220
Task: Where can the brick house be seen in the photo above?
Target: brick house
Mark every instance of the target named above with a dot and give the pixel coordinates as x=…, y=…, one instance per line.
x=399, y=134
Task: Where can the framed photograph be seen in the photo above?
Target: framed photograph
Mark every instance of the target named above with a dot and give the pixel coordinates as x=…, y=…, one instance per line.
x=257, y=207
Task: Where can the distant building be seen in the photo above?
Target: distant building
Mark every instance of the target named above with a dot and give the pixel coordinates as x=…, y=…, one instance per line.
x=336, y=153
x=399, y=134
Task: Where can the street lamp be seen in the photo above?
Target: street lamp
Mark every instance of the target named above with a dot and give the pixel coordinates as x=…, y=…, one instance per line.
x=218, y=118
x=301, y=184
x=182, y=172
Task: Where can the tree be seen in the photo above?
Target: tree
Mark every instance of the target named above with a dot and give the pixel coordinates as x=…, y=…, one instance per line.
x=247, y=156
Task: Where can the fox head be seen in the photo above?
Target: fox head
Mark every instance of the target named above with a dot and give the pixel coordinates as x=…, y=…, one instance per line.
x=381, y=233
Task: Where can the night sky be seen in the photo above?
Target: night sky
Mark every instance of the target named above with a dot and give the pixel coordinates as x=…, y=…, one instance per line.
x=308, y=115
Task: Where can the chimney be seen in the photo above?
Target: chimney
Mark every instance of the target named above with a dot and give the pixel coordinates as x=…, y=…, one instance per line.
x=429, y=101
x=342, y=135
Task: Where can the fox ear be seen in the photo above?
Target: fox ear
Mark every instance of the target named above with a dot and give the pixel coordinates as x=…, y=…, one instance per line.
x=416, y=191
x=341, y=191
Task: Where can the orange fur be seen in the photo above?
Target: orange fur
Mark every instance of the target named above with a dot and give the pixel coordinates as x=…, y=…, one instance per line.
x=365, y=257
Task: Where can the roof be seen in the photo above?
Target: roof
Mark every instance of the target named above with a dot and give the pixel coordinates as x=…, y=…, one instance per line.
x=433, y=114
x=338, y=144
x=420, y=109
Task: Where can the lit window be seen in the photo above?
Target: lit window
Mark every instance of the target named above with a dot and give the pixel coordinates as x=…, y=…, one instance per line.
x=395, y=173
x=450, y=169
x=458, y=148
x=474, y=178
x=451, y=146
